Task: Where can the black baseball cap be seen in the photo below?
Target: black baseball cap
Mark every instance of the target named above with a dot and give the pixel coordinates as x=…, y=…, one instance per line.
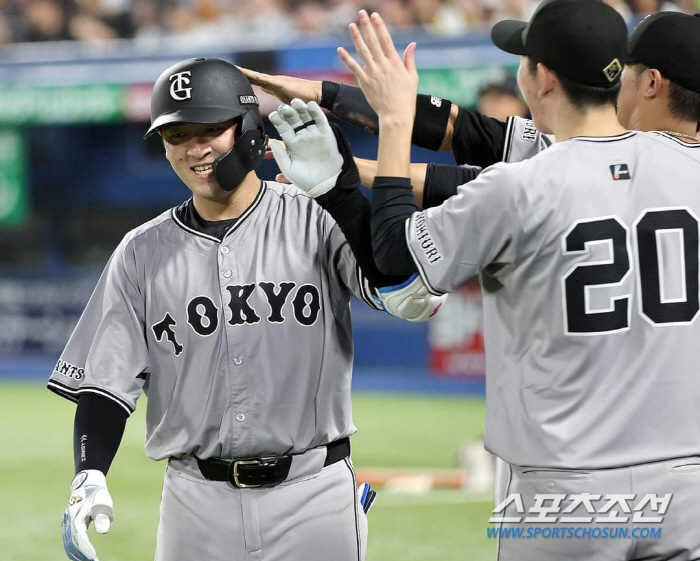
x=583, y=40
x=669, y=42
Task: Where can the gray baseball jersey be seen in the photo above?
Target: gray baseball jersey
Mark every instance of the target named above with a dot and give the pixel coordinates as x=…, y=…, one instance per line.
x=523, y=140
x=244, y=346
x=588, y=255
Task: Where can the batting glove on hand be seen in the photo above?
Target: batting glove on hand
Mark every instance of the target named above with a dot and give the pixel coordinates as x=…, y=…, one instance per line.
x=309, y=156
x=89, y=501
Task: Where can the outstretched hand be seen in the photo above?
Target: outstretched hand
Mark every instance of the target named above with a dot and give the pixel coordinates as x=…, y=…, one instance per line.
x=389, y=82
x=285, y=88
x=308, y=154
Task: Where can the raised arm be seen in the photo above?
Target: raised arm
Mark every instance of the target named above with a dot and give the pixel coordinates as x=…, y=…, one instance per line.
x=434, y=121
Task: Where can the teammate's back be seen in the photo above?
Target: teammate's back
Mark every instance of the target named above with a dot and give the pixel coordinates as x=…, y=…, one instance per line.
x=593, y=333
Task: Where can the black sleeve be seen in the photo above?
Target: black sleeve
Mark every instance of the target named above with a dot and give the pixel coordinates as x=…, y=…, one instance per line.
x=392, y=205
x=98, y=430
x=349, y=104
x=442, y=180
x=352, y=212
x=478, y=139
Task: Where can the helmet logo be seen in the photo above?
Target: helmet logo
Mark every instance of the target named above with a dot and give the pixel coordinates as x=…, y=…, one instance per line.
x=178, y=91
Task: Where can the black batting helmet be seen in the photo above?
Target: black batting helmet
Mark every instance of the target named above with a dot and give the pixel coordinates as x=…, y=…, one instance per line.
x=209, y=90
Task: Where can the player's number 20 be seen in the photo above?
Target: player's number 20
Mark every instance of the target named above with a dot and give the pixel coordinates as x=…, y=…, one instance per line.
x=656, y=307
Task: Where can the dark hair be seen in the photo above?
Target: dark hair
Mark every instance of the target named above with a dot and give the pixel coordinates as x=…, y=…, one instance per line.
x=581, y=96
x=682, y=103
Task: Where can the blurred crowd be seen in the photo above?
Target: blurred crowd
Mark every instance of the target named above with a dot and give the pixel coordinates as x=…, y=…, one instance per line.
x=273, y=20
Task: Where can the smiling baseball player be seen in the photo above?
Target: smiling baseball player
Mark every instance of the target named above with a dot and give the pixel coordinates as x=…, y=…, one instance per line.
x=231, y=312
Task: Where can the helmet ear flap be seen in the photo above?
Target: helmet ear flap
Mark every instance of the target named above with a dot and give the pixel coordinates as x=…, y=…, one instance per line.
x=251, y=141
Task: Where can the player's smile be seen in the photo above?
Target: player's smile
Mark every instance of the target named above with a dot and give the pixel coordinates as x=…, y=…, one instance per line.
x=203, y=171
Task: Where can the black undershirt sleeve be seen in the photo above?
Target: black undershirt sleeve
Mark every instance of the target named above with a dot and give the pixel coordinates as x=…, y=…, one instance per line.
x=349, y=104
x=392, y=205
x=478, y=139
x=97, y=433
x=352, y=212
x=442, y=180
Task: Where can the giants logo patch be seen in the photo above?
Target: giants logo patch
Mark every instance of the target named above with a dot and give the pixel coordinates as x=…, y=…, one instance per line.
x=178, y=91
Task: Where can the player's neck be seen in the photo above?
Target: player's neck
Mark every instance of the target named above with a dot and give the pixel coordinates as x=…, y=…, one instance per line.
x=599, y=121
x=231, y=206
x=668, y=123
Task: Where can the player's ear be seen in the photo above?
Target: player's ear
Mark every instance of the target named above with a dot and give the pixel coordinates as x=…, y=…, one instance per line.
x=546, y=80
x=652, y=83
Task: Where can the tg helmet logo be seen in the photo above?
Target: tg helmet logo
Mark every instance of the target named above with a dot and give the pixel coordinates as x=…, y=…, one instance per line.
x=178, y=91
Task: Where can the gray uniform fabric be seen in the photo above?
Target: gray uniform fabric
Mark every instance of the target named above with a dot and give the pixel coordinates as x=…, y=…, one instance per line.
x=674, y=538
x=313, y=516
x=560, y=395
x=523, y=140
x=244, y=347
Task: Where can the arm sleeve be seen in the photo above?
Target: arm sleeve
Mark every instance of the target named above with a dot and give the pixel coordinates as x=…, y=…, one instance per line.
x=478, y=139
x=106, y=354
x=479, y=229
x=352, y=213
x=442, y=180
x=392, y=205
x=99, y=427
x=349, y=104
x=343, y=266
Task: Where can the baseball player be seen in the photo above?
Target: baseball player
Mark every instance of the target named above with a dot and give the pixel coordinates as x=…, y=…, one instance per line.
x=231, y=312
x=588, y=255
x=478, y=141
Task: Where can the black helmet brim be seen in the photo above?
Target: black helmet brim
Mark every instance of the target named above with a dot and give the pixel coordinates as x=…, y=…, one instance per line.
x=198, y=115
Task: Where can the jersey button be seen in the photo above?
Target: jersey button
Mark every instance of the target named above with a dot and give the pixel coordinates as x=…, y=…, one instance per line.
x=240, y=417
x=238, y=361
x=224, y=250
x=227, y=273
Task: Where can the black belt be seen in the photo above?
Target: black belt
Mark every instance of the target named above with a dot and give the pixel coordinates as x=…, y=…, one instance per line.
x=263, y=472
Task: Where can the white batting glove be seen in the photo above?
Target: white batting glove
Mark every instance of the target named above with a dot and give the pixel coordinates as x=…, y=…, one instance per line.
x=89, y=501
x=410, y=300
x=309, y=156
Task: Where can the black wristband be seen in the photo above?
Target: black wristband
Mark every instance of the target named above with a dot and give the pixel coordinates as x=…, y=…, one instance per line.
x=329, y=91
x=432, y=115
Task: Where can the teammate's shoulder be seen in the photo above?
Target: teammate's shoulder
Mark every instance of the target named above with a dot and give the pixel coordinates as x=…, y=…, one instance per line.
x=674, y=143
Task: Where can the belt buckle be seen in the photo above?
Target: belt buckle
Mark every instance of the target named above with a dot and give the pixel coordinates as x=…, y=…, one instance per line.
x=235, y=474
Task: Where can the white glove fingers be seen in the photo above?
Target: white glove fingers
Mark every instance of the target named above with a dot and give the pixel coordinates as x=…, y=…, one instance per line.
x=102, y=523
x=302, y=110
x=319, y=117
x=285, y=130
x=290, y=115
x=279, y=151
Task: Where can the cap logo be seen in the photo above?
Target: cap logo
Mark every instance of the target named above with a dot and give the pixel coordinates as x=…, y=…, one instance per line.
x=612, y=71
x=178, y=91
x=248, y=99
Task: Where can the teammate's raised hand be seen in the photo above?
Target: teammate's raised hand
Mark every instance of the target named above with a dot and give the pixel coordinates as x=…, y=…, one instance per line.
x=389, y=82
x=285, y=88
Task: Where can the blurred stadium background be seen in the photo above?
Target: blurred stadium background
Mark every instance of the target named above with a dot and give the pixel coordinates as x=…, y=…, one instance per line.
x=75, y=176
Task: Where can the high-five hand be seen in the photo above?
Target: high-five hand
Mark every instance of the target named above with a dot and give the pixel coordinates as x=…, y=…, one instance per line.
x=389, y=82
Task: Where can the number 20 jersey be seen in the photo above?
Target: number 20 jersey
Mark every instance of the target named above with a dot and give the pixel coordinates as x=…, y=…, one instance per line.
x=588, y=256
